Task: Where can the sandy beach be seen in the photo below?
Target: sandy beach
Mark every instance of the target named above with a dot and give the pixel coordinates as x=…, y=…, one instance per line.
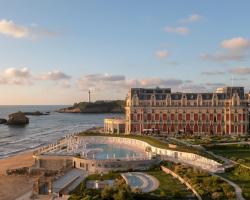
x=12, y=187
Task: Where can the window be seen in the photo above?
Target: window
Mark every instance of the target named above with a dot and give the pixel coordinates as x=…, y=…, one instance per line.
x=180, y=117
x=82, y=165
x=149, y=117
x=195, y=117
x=219, y=117
x=211, y=117
x=172, y=117
x=157, y=117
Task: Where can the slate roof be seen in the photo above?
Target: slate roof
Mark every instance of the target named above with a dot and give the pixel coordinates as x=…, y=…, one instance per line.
x=161, y=94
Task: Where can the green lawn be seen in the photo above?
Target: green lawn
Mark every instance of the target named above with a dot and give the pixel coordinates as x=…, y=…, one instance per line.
x=241, y=154
x=109, y=176
x=208, y=186
x=204, y=140
x=236, y=152
x=170, y=187
x=240, y=176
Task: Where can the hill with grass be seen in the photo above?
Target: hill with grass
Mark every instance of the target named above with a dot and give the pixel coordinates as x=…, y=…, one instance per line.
x=116, y=106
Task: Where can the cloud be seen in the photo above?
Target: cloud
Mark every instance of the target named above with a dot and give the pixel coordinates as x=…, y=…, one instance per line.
x=235, y=49
x=193, y=88
x=240, y=70
x=216, y=72
x=104, y=77
x=181, y=30
x=162, y=54
x=237, y=43
x=54, y=75
x=224, y=56
x=102, y=82
x=173, y=63
x=64, y=84
x=11, y=29
x=13, y=72
x=154, y=82
x=191, y=19
x=215, y=85
x=15, y=76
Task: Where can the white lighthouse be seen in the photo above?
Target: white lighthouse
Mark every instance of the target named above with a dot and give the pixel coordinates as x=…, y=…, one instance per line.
x=89, y=97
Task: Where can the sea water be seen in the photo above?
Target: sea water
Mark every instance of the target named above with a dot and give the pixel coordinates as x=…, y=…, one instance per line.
x=43, y=129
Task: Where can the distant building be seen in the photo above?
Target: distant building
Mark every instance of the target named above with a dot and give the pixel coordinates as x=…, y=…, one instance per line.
x=160, y=110
x=114, y=125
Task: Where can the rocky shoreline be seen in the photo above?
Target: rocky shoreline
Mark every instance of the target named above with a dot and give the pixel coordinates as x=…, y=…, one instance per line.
x=19, y=118
x=98, y=107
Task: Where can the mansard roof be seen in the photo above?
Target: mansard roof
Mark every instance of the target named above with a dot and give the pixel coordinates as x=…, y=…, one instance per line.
x=161, y=94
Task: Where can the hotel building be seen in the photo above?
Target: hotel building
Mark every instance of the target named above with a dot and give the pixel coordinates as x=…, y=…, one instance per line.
x=160, y=110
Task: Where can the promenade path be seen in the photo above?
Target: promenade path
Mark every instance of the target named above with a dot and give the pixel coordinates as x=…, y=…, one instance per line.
x=237, y=189
x=228, y=163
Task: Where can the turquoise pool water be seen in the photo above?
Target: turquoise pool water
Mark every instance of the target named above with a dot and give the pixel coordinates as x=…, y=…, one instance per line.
x=134, y=181
x=105, y=151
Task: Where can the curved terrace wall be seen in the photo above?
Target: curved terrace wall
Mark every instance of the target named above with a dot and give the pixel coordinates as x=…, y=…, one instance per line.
x=177, y=156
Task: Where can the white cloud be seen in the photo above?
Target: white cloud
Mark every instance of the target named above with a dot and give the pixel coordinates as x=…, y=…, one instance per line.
x=235, y=49
x=64, y=84
x=11, y=29
x=102, y=82
x=215, y=85
x=173, y=63
x=215, y=72
x=13, y=72
x=162, y=54
x=104, y=77
x=15, y=76
x=54, y=75
x=181, y=30
x=154, y=82
x=193, y=88
x=191, y=19
x=238, y=43
x=224, y=56
x=240, y=70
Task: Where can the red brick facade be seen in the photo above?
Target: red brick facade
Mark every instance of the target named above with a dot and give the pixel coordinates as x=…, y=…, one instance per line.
x=189, y=113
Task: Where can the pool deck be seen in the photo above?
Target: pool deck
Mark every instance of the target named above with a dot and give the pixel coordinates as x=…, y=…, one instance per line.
x=69, y=181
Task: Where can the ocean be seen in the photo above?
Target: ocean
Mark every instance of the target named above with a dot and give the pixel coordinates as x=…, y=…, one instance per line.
x=42, y=130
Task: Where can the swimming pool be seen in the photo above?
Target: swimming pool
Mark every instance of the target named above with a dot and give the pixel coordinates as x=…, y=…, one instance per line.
x=134, y=181
x=108, y=151
x=142, y=181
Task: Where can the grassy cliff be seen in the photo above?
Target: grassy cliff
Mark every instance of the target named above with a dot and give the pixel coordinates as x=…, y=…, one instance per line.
x=116, y=106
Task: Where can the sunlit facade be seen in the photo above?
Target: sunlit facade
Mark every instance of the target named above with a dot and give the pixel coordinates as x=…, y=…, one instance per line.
x=160, y=110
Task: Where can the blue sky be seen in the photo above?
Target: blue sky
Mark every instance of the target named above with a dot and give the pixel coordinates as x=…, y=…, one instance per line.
x=52, y=52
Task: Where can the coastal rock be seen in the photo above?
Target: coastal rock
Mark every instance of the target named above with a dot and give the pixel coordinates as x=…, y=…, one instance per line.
x=36, y=113
x=3, y=121
x=18, y=118
x=69, y=110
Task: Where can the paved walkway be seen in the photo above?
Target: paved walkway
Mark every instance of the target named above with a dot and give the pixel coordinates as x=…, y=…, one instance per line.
x=237, y=189
x=227, y=164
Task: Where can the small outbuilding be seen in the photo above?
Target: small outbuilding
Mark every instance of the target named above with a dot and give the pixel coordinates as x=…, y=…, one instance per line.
x=114, y=125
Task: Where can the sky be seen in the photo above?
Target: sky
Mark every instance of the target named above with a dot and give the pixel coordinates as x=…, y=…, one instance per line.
x=53, y=52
